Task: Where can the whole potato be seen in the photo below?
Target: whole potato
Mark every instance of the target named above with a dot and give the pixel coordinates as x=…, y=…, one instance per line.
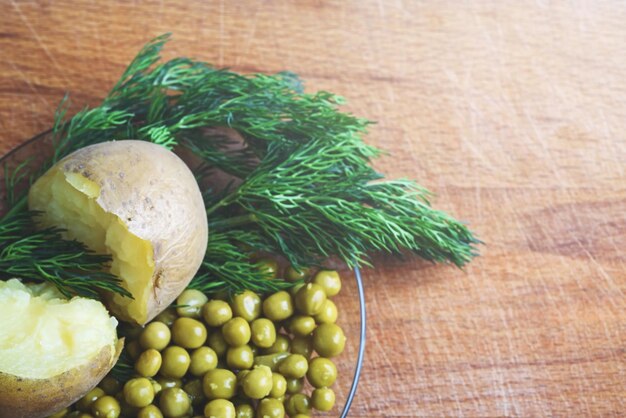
x=138, y=202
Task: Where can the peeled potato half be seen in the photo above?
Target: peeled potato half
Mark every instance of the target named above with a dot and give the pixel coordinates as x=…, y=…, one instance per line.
x=141, y=204
x=52, y=350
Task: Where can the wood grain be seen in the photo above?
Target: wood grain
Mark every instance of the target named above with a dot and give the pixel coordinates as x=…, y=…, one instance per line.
x=513, y=112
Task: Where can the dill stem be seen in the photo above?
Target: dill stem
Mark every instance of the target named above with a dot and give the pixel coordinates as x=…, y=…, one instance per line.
x=224, y=202
x=234, y=221
x=17, y=207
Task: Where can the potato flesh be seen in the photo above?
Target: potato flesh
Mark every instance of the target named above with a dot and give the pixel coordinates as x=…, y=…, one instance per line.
x=42, y=334
x=70, y=202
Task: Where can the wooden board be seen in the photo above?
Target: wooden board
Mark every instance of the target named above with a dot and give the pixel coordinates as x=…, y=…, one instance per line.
x=513, y=112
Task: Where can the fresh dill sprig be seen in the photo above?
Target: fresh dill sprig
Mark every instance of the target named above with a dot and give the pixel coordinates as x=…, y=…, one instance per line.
x=219, y=151
x=12, y=180
x=123, y=370
x=303, y=184
x=227, y=266
x=26, y=253
x=324, y=199
x=87, y=127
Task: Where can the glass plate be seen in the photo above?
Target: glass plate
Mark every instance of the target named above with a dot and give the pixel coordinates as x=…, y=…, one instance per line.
x=350, y=301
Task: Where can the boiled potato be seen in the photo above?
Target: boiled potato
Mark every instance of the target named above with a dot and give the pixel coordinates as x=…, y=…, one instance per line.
x=52, y=350
x=141, y=204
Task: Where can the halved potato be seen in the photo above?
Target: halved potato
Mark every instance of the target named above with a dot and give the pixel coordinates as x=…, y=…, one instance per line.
x=138, y=202
x=52, y=350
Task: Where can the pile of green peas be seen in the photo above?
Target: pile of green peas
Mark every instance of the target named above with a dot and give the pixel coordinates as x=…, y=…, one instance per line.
x=239, y=357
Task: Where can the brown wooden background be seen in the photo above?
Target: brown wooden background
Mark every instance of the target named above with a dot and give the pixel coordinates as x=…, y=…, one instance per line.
x=513, y=112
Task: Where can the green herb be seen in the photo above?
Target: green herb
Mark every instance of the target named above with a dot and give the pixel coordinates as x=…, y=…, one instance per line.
x=302, y=182
x=226, y=267
x=323, y=199
x=123, y=370
x=30, y=254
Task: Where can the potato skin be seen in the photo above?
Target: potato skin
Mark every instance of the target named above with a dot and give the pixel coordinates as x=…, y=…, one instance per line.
x=156, y=195
x=35, y=398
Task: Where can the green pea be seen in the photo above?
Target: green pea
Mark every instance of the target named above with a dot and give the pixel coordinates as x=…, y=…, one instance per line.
x=279, y=385
x=240, y=375
x=126, y=410
x=263, y=332
x=257, y=384
x=157, y=386
x=294, y=385
x=188, y=333
x=220, y=408
x=298, y=403
x=138, y=392
x=216, y=313
x=174, y=403
x=176, y=362
x=328, y=340
x=270, y=408
x=294, y=366
x=322, y=372
x=110, y=385
x=150, y=411
x=148, y=363
x=302, y=346
x=281, y=345
x=190, y=303
x=293, y=291
x=302, y=325
x=278, y=306
x=217, y=343
x=194, y=389
x=328, y=314
x=168, y=316
x=219, y=384
x=310, y=299
x=329, y=280
x=246, y=305
x=292, y=274
x=156, y=335
x=240, y=357
x=202, y=360
x=244, y=410
x=236, y=332
x=105, y=407
x=84, y=403
x=323, y=399
x=167, y=383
